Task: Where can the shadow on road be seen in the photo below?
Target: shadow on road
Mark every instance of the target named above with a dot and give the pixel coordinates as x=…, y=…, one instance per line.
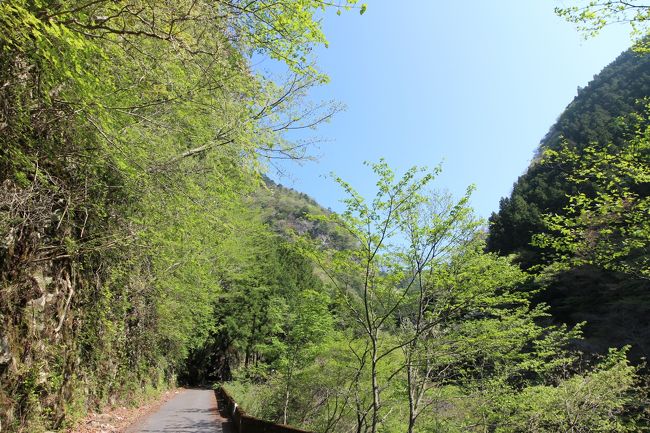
x=191, y=411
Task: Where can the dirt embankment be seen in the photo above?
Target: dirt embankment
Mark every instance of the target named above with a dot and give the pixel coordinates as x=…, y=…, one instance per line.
x=118, y=419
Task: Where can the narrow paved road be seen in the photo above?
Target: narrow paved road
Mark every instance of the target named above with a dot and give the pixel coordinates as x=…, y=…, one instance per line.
x=191, y=411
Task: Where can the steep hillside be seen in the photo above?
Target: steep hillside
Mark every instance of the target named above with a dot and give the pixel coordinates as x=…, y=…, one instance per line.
x=288, y=211
x=591, y=117
x=614, y=305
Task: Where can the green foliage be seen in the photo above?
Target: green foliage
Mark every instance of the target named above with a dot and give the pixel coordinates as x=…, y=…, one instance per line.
x=137, y=243
x=289, y=212
x=132, y=133
x=432, y=334
x=608, y=227
x=592, y=16
x=594, y=116
x=564, y=219
x=590, y=402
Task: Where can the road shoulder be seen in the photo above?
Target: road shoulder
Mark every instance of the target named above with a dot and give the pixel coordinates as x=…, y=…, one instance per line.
x=117, y=419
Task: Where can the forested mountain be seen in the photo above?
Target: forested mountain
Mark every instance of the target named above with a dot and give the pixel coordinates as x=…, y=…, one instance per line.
x=604, y=119
x=593, y=116
x=288, y=212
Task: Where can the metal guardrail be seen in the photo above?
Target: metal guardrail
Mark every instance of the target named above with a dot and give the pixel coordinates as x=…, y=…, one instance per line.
x=243, y=423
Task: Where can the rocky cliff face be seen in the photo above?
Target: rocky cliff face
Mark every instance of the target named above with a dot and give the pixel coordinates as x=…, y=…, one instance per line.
x=37, y=285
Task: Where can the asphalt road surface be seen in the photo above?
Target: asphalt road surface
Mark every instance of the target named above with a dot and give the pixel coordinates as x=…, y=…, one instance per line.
x=191, y=411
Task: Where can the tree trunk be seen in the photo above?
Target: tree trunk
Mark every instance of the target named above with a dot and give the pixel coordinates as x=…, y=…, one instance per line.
x=410, y=380
x=286, y=406
x=286, y=396
x=375, y=385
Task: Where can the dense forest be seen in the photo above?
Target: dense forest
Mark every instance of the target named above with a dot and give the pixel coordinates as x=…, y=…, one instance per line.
x=594, y=116
x=605, y=115
x=142, y=246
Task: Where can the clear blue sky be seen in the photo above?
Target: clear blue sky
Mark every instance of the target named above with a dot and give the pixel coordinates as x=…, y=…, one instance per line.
x=474, y=85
